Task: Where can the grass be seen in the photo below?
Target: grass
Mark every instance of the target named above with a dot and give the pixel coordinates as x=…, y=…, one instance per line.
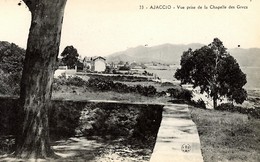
x=83, y=93
x=224, y=136
x=227, y=136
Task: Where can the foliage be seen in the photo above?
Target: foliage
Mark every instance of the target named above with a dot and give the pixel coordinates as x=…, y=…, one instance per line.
x=103, y=85
x=125, y=67
x=214, y=70
x=199, y=104
x=124, y=78
x=6, y=144
x=70, y=81
x=70, y=56
x=106, y=85
x=80, y=66
x=11, y=57
x=180, y=93
x=9, y=83
x=11, y=65
x=166, y=84
x=254, y=112
x=75, y=81
x=112, y=121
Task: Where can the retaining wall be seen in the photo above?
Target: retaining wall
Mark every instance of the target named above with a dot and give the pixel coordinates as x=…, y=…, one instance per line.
x=86, y=118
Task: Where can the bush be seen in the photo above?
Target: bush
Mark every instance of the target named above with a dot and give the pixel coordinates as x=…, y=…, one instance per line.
x=10, y=83
x=11, y=66
x=226, y=107
x=104, y=85
x=147, y=91
x=161, y=94
x=164, y=84
x=200, y=104
x=113, y=121
x=254, y=112
x=99, y=84
x=70, y=81
x=124, y=67
x=180, y=93
x=75, y=81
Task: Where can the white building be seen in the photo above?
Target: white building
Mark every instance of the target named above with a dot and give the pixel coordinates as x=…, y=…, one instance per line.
x=94, y=64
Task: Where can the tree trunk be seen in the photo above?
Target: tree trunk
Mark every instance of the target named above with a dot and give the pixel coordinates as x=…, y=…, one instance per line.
x=215, y=101
x=32, y=140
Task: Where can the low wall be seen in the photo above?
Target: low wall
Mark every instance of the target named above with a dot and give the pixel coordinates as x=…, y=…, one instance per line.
x=67, y=72
x=84, y=118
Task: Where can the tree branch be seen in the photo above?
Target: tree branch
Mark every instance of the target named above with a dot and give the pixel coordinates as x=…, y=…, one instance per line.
x=31, y=4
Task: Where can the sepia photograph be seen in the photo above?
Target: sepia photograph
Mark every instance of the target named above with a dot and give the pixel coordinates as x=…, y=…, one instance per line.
x=129, y=81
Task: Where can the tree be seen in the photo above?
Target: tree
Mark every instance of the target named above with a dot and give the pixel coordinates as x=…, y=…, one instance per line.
x=70, y=56
x=32, y=138
x=11, y=65
x=11, y=57
x=215, y=71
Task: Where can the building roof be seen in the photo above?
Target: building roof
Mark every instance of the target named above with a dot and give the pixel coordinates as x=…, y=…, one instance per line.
x=93, y=58
x=99, y=57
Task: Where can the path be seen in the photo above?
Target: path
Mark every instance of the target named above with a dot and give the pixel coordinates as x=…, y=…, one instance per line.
x=177, y=138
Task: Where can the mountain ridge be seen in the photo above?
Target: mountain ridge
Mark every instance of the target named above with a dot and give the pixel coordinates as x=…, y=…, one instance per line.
x=171, y=54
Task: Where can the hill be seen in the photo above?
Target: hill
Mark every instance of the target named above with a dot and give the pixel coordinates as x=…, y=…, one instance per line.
x=171, y=54
x=165, y=53
x=246, y=57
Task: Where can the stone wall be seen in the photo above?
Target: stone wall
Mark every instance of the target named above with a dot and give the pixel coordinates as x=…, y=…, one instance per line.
x=83, y=118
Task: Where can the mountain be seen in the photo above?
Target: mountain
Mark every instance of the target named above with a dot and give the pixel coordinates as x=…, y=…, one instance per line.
x=171, y=54
x=165, y=53
x=246, y=57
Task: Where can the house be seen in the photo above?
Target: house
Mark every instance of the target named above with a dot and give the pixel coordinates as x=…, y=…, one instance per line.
x=94, y=64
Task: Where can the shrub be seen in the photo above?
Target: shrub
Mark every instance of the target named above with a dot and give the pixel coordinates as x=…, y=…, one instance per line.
x=113, y=121
x=90, y=121
x=226, y=107
x=104, y=85
x=124, y=67
x=62, y=80
x=99, y=84
x=200, y=104
x=167, y=84
x=185, y=94
x=75, y=81
x=162, y=93
x=149, y=91
x=180, y=93
x=10, y=83
x=254, y=112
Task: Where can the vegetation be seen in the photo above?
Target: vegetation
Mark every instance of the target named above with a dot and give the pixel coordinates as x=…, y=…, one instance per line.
x=121, y=77
x=125, y=67
x=104, y=85
x=215, y=71
x=11, y=57
x=134, y=126
x=11, y=65
x=9, y=83
x=241, y=129
x=227, y=136
x=180, y=93
x=70, y=57
x=253, y=112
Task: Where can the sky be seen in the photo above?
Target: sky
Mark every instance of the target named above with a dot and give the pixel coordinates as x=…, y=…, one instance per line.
x=107, y=26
